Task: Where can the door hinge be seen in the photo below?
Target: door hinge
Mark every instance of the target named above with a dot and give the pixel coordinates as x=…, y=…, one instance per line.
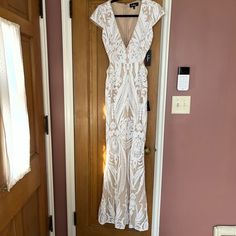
x=75, y=218
x=41, y=8
x=50, y=223
x=46, y=124
x=70, y=9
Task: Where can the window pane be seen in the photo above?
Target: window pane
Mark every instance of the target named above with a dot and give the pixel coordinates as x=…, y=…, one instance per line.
x=15, y=138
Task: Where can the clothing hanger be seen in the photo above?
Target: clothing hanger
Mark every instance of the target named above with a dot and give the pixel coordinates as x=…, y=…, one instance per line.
x=136, y=15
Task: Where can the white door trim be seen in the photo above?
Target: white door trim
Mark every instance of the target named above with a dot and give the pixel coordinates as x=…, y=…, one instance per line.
x=46, y=101
x=69, y=115
x=161, y=109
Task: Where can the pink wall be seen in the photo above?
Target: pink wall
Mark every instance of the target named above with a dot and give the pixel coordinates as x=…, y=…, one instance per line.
x=54, y=33
x=199, y=176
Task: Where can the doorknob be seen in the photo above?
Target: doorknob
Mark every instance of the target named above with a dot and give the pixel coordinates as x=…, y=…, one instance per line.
x=147, y=150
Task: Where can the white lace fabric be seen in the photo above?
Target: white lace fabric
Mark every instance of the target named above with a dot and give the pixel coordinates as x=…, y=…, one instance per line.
x=124, y=195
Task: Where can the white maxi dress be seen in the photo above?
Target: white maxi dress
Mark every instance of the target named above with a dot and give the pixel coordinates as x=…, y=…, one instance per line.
x=126, y=42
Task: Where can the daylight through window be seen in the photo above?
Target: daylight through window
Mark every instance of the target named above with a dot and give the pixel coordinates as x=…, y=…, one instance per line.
x=14, y=122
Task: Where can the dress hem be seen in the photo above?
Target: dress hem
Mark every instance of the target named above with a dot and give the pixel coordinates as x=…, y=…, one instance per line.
x=123, y=226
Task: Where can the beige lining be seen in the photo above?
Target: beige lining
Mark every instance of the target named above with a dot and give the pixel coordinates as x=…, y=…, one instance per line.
x=126, y=25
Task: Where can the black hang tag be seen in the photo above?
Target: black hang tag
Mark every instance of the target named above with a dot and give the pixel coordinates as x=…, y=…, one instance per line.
x=148, y=106
x=148, y=58
x=133, y=5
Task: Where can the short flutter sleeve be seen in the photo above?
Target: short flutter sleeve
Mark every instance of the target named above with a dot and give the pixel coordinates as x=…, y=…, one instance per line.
x=97, y=17
x=157, y=13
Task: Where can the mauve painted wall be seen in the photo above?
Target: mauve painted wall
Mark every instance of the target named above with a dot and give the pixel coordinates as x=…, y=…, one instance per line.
x=199, y=175
x=54, y=32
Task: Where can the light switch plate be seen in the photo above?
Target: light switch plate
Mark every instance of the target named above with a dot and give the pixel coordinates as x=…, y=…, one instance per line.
x=181, y=104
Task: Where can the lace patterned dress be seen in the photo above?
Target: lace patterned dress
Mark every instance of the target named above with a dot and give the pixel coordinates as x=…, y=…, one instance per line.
x=126, y=42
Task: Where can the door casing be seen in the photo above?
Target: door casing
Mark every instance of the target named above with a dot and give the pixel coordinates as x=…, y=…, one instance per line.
x=46, y=103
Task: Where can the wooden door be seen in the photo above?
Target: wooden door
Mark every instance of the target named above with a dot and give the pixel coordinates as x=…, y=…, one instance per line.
x=90, y=63
x=23, y=210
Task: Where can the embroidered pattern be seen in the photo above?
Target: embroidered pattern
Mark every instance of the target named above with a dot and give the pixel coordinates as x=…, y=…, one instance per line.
x=124, y=196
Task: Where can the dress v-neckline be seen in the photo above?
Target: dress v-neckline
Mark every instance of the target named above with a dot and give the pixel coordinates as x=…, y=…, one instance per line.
x=135, y=27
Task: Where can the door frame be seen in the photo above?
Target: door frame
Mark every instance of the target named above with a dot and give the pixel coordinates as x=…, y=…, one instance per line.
x=69, y=115
x=46, y=105
x=161, y=111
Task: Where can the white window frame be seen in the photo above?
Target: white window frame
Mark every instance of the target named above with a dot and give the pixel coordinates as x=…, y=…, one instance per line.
x=69, y=115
